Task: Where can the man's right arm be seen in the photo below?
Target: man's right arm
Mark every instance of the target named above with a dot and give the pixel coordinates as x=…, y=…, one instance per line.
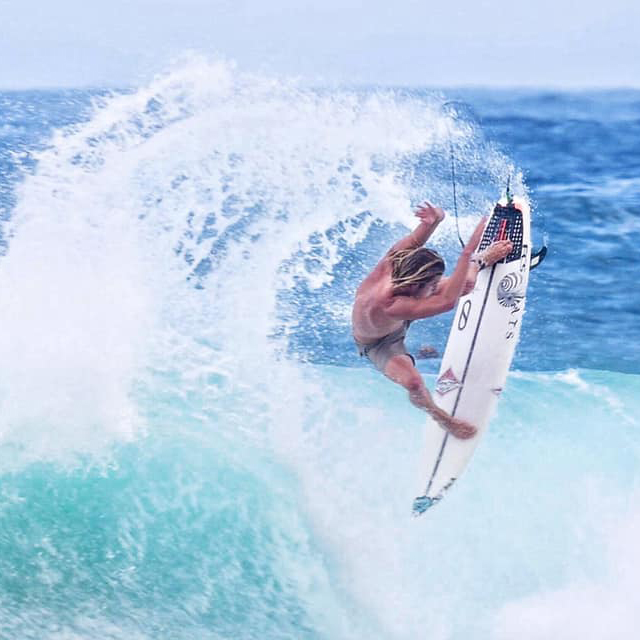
x=430, y=217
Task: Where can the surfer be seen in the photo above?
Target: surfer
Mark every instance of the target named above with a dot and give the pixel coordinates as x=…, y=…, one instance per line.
x=406, y=285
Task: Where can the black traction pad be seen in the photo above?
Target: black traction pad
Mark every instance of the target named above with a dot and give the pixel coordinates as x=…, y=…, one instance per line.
x=505, y=221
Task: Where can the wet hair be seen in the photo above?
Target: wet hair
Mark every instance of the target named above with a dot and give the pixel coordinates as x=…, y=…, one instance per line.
x=415, y=266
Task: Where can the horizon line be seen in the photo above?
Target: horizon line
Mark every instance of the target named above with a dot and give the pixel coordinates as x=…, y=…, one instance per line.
x=358, y=85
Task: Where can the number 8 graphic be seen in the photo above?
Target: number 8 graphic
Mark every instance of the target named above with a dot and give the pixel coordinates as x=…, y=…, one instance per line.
x=464, y=315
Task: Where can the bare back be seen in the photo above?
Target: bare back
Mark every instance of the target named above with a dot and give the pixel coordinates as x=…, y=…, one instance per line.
x=369, y=319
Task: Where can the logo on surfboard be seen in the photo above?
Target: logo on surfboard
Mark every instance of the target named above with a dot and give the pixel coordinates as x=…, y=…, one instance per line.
x=510, y=290
x=447, y=382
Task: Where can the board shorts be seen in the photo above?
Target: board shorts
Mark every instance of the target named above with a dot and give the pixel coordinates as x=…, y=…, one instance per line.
x=385, y=348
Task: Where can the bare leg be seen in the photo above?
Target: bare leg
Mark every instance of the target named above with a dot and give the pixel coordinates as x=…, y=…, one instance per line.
x=400, y=369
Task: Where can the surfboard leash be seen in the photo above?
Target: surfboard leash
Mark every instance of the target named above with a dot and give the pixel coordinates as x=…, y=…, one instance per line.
x=452, y=157
x=453, y=185
x=509, y=194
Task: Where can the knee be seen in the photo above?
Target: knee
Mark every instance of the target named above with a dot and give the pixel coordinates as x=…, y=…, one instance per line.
x=415, y=383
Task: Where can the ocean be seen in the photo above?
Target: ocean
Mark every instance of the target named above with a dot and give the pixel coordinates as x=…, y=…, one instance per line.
x=190, y=446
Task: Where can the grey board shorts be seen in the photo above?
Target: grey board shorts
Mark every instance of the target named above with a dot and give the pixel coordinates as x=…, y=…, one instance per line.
x=385, y=348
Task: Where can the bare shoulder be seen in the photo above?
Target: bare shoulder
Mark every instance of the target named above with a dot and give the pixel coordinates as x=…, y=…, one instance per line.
x=384, y=265
x=378, y=275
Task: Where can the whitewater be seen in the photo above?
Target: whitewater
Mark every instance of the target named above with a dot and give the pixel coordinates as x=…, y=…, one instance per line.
x=190, y=447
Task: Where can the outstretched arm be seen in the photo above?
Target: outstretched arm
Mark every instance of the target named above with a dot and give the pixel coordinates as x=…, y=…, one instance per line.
x=430, y=218
x=410, y=308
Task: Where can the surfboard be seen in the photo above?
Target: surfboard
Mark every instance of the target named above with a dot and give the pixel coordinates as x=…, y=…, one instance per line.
x=479, y=351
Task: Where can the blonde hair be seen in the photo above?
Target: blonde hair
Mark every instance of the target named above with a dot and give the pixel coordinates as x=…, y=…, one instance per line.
x=415, y=266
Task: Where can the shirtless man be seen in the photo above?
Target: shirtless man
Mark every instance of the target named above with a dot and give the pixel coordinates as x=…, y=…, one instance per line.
x=406, y=285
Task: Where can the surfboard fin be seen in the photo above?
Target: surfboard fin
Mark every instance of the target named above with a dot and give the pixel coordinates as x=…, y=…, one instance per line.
x=537, y=258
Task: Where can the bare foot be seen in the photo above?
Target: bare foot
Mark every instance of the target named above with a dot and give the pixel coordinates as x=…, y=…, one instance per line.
x=461, y=429
x=497, y=251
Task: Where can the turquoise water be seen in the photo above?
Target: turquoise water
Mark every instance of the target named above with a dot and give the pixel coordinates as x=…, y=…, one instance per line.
x=197, y=531
x=189, y=446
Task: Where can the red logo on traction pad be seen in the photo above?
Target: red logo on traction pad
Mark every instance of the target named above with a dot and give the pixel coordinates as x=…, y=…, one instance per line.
x=447, y=382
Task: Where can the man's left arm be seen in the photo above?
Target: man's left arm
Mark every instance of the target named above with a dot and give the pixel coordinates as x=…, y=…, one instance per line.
x=430, y=217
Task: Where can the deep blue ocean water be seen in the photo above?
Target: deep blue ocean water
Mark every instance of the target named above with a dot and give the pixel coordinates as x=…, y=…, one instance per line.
x=190, y=446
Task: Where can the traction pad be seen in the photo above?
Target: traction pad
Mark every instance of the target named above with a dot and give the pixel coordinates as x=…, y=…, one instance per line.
x=505, y=224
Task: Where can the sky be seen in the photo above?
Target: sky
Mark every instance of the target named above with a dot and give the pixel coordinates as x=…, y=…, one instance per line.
x=541, y=43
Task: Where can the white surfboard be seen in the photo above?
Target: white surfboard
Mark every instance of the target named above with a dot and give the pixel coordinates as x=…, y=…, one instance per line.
x=483, y=337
